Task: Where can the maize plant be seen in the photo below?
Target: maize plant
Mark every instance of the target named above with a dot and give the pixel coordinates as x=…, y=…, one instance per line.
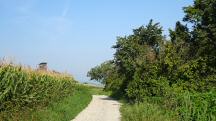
x=22, y=87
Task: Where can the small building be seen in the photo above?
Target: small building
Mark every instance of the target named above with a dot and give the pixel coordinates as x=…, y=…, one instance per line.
x=42, y=66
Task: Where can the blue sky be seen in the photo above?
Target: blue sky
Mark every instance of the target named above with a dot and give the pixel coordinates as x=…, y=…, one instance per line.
x=76, y=35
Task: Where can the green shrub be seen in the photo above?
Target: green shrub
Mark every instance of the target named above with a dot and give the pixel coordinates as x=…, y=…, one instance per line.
x=138, y=89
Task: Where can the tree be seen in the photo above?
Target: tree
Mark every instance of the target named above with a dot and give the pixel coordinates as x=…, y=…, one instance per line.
x=137, y=53
x=102, y=72
x=107, y=75
x=202, y=16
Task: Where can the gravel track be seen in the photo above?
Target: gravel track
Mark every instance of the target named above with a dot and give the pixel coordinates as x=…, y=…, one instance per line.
x=101, y=108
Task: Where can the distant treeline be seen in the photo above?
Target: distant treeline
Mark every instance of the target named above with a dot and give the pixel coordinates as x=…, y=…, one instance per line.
x=177, y=72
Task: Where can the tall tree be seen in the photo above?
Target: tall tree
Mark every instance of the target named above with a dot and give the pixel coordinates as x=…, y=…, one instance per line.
x=138, y=50
x=202, y=16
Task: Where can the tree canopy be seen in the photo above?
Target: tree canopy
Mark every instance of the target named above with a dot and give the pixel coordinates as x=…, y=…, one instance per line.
x=146, y=64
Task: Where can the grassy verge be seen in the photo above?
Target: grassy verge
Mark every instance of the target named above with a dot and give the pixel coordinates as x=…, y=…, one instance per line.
x=145, y=112
x=64, y=110
x=187, y=106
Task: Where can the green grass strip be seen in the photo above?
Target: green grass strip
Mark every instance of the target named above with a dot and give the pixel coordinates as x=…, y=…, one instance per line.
x=64, y=110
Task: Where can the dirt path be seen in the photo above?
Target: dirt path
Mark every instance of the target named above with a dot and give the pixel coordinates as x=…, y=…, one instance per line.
x=101, y=108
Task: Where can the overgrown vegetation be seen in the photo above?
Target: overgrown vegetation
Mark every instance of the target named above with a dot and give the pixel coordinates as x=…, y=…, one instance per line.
x=172, y=75
x=25, y=89
x=34, y=95
x=146, y=112
x=65, y=109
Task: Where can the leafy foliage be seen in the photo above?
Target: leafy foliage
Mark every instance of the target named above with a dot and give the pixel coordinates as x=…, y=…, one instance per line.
x=181, y=69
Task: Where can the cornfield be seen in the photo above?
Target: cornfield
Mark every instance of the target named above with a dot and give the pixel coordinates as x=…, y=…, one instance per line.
x=22, y=87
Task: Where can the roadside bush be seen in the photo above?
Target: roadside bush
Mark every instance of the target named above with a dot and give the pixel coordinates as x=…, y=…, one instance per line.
x=196, y=75
x=138, y=89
